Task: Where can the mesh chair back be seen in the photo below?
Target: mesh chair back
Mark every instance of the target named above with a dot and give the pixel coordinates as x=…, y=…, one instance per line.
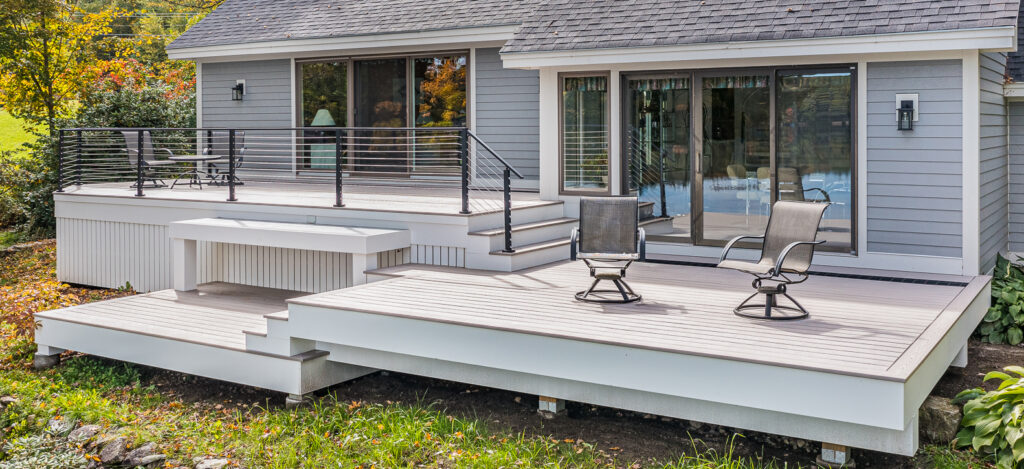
x=131, y=139
x=791, y=185
x=791, y=222
x=219, y=141
x=608, y=227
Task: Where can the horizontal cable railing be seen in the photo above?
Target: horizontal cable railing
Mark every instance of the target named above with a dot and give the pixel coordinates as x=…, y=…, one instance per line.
x=146, y=159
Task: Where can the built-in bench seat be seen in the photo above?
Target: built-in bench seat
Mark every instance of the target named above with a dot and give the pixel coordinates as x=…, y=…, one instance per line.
x=362, y=243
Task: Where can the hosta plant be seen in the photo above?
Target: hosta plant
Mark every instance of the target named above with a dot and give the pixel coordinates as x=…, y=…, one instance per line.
x=992, y=422
x=1004, y=322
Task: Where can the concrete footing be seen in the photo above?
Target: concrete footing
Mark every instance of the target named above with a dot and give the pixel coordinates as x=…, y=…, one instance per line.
x=835, y=456
x=46, y=357
x=294, y=401
x=549, y=407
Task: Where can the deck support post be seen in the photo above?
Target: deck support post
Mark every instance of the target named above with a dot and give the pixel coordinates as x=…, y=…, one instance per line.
x=835, y=456
x=46, y=357
x=183, y=254
x=960, y=360
x=294, y=401
x=360, y=264
x=549, y=407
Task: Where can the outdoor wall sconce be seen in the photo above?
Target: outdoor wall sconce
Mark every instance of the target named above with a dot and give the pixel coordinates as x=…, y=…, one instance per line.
x=906, y=111
x=238, y=91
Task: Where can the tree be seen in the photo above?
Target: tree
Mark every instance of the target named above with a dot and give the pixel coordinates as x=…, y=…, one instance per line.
x=45, y=46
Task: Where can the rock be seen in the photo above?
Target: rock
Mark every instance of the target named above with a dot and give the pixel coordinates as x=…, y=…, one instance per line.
x=103, y=439
x=939, y=420
x=84, y=433
x=7, y=400
x=59, y=426
x=134, y=458
x=211, y=464
x=114, y=451
x=153, y=460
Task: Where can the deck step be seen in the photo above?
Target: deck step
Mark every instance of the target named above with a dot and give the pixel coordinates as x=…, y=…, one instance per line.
x=526, y=226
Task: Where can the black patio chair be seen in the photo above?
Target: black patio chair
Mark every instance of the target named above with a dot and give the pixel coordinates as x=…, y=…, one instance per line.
x=217, y=145
x=608, y=240
x=786, y=252
x=150, y=162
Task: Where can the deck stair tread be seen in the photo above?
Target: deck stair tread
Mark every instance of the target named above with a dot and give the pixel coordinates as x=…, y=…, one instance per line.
x=519, y=250
x=526, y=226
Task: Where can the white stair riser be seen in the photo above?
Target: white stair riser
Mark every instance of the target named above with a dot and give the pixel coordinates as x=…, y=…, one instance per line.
x=520, y=216
x=517, y=261
x=478, y=243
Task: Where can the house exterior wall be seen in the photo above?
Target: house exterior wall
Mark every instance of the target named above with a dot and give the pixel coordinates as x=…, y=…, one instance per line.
x=508, y=112
x=267, y=101
x=1015, y=110
x=915, y=178
x=993, y=161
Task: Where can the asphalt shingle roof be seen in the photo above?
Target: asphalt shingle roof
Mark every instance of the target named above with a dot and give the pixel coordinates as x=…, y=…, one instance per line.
x=244, y=21
x=1015, y=60
x=600, y=24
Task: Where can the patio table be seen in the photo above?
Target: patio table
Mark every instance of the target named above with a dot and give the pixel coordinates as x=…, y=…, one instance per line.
x=195, y=173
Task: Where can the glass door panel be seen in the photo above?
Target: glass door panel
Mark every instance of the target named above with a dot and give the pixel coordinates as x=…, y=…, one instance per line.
x=324, y=104
x=440, y=84
x=584, y=133
x=814, y=146
x=735, y=166
x=381, y=101
x=657, y=147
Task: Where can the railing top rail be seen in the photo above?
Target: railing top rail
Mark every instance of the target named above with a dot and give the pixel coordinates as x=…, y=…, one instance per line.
x=118, y=129
x=495, y=154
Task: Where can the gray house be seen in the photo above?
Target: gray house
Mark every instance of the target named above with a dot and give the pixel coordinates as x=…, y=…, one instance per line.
x=391, y=185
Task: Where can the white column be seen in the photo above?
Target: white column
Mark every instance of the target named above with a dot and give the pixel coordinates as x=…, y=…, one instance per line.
x=614, y=133
x=971, y=164
x=549, y=134
x=360, y=264
x=183, y=254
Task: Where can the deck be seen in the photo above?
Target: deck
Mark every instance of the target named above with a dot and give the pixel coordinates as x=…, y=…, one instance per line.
x=854, y=373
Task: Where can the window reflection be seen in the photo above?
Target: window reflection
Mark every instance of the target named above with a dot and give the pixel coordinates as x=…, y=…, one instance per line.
x=585, y=133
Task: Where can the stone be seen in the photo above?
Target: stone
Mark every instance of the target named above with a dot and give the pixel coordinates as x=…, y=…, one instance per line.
x=153, y=460
x=212, y=464
x=59, y=426
x=939, y=420
x=134, y=457
x=114, y=451
x=84, y=433
x=103, y=439
x=42, y=362
x=7, y=400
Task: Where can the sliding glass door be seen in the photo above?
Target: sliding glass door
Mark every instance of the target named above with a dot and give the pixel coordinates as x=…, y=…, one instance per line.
x=381, y=101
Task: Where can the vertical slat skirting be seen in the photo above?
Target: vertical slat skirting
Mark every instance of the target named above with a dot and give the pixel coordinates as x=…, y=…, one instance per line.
x=281, y=268
x=113, y=254
x=447, y=256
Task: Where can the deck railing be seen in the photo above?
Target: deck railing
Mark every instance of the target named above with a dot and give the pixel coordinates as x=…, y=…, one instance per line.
x=234, y=157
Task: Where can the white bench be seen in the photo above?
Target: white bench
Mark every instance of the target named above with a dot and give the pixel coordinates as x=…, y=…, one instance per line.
x=362, y=243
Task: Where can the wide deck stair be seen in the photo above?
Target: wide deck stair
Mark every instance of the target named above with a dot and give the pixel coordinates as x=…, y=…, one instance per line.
x=539, y=235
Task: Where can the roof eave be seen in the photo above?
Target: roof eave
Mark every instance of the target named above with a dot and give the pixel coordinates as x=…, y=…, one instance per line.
x=995, y=39
x=486, y=35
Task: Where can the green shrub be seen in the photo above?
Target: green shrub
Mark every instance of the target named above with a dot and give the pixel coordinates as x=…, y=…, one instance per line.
x=27, y=182
x=1004, y=322
x=42, y=451
x=992, y=422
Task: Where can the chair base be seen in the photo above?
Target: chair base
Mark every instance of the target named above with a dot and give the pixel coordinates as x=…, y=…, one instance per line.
x=771, y=310
x=592, y=295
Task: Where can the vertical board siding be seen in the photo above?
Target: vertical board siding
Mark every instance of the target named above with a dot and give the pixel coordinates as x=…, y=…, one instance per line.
x=1016, y=176
x=447, y=256
x=281, y=268
x=993, y=193
x=915, y=178
x=393, y=257
x=113, y=254
x=508, y=112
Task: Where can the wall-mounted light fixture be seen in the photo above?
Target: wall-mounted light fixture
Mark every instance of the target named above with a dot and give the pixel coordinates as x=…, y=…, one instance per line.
x=906, y=111
x=238, y=91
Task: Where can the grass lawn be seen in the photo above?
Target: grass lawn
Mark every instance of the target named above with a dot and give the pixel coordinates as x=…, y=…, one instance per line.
x=12, y=134
x=332, y=432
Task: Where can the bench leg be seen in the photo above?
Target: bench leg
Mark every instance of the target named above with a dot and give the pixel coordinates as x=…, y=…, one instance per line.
x=360, y=264
x=960, y=360
x=183, y=253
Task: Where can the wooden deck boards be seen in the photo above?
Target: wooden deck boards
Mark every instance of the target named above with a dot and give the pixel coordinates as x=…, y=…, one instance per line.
x=858, y=327
x=424, y=200
x=216, y=314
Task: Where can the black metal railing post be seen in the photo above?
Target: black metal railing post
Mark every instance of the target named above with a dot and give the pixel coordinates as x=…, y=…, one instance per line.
x=140, y=176
x=78, y=158
x=464, y=162
x=507, y=196
x=60, y=160
x=231, y=165
x=661, y=181
x=338, y=173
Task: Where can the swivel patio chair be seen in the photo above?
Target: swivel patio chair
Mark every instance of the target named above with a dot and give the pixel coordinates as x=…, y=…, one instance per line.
x=217, y=145
x=786, y=252
x=150, y=162
x=609, y=239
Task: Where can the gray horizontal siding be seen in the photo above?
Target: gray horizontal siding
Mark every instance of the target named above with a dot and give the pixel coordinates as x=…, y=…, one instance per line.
x=993, y=161
x=508, y=111
x=915, y=179
x=267, y=104
x=1016, y=176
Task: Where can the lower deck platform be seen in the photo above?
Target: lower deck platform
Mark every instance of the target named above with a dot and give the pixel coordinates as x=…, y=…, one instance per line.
x=855, y=373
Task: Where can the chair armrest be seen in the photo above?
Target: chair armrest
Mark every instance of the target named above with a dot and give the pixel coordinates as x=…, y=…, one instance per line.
x=822, y=191
x=785, y=252
x=725, y=251
x=169, y=152
x=642, y=244
x=573, y=239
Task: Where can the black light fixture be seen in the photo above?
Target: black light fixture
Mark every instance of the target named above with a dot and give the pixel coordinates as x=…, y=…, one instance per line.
x=237, y=91
x=905, y=115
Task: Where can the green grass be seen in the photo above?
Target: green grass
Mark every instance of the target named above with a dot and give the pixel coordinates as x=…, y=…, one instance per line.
x=10, y=238
x=12, y=133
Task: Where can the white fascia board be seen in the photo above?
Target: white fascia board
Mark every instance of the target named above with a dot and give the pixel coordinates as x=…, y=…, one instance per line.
x=496, y=35
x=1014, y=91
x=1001, y=39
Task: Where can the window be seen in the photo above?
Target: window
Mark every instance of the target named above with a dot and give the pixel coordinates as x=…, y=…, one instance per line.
x=324, y=104
x=584, y=128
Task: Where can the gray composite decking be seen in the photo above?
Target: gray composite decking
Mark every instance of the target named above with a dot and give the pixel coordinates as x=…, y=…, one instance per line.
x=867, y=328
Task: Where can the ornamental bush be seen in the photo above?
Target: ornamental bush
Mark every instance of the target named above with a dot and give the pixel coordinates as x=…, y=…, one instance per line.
x=1004, y=322
x=992, y=420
